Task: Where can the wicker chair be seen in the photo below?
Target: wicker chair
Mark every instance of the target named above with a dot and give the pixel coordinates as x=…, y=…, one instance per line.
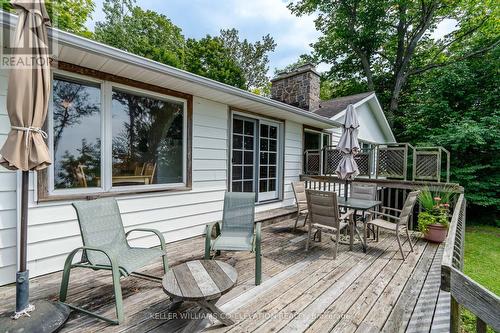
x=105, y=247
x=324, y=216
x=237, y=231
x=401, y=220
x=299, y=190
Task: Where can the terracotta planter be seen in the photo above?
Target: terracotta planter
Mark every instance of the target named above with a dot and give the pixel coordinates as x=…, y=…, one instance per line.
x=436, y=233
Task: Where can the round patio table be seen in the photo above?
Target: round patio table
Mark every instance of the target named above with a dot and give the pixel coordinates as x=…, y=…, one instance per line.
x=202, y=282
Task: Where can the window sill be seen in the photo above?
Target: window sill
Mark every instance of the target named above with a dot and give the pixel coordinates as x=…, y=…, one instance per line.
x=92, y=196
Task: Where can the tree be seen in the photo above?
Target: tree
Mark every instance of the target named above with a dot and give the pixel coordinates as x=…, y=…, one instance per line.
x=252, y=58
x=67, y=15
x=210, y=58
x=458, y=107
x=385, y=42
x=142, y=32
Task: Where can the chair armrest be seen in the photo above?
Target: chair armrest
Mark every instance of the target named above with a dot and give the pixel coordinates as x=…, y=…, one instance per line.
x=392, y=209
x=347, y=215
x=209, y=228
x=154, y=231
x=112, y=259
x=383, y=214
x=258, y=235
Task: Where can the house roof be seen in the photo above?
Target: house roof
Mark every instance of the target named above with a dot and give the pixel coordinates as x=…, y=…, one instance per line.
x=375, y=127
x=335, y=106
x=97, y=56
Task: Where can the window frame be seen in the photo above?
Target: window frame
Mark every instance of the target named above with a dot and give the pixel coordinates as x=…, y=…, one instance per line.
x=45, y=179
x=280, y=153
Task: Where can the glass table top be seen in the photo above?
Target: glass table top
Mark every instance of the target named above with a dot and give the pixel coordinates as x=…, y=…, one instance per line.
x=360, y=204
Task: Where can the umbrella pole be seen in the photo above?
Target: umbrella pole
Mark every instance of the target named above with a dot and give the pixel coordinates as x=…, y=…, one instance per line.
x=346, y=186
x=49, y=316
x=22, y=277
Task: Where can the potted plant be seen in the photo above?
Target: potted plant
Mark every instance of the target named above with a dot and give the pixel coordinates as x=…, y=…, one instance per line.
x=433, y=220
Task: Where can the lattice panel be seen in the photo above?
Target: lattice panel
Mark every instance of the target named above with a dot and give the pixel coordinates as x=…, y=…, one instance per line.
x=332, y=160
x=391, y=162
x=363, y=161
x=312, y=163
x=427, y=165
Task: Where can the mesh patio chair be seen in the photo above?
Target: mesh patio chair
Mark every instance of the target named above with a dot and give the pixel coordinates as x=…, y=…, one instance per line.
x=299, y=190
x=324, y=216
x=105, y=247
x=363, y=191
x=237, y=231
x=401, y=220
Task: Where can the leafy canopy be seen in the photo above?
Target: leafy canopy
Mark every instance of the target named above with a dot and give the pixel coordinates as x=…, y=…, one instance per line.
x=209, y=57
x=141, y=32
x=252, y=58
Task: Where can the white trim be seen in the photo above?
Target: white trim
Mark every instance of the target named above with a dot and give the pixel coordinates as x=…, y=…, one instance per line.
x=50, y=130
x=280, y=163
x=386, y=123
x=379, y=115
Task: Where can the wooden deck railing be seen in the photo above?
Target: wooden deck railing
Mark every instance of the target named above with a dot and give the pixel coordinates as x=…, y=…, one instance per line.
x=464, y=291
x=392, y=193
x=400, y=161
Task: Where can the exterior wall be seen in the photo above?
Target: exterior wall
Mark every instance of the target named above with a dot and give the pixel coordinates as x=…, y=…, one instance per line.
x=53, y=228
x=370, y=129
x=8, y=195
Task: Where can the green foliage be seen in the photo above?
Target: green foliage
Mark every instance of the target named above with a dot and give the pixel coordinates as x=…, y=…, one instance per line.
x=436, y=207
x=208, y=57
x=67, y=15
x=141, y=32
x=457, y=107
x=425, y=219
x=252, y=58
x=382, y=44
x=302, y=60
x=481, y=257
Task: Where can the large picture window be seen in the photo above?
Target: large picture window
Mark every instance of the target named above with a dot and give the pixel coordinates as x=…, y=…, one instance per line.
x=109, y=137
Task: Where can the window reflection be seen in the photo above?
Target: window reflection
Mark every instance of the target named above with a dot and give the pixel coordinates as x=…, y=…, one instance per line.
x=147, y=140
x=77, y=133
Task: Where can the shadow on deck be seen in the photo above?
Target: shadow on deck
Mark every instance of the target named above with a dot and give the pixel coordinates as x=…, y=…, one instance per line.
x=357, y=292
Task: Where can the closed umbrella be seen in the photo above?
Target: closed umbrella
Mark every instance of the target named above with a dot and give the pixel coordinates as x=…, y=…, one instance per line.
x=25, y=148
x=349, y=146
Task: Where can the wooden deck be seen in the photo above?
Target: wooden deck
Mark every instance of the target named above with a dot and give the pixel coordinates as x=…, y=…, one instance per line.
x=357, y=292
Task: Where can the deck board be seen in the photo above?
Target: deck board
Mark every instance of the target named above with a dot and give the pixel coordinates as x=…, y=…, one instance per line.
x=301, y=291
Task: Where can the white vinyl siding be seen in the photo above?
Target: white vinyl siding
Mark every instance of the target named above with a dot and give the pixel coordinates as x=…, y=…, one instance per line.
x=8, y=194
x=53, y=228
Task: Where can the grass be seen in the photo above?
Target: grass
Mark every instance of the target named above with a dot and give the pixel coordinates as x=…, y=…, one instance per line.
x=481, y=258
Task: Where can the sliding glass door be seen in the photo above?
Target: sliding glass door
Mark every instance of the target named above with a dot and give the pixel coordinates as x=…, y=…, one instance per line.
x=255, y=157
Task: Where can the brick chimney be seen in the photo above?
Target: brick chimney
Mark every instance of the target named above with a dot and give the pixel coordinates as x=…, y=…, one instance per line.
x=299, y=87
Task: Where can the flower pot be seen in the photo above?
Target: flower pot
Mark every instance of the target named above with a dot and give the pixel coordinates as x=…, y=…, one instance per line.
x=436, y=233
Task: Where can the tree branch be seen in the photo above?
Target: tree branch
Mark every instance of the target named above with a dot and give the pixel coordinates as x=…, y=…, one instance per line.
x=454, y=61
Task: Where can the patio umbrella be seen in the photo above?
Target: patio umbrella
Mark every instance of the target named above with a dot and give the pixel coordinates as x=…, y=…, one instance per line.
x=349, y=147
x=25, y=148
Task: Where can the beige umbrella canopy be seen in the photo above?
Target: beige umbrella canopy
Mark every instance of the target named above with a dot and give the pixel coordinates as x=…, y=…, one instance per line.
x=25, y=149
x=29, y=89
x=349, y=146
